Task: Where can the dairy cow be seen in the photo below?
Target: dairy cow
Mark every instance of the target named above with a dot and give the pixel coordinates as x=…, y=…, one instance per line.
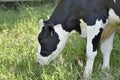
x=97, y=20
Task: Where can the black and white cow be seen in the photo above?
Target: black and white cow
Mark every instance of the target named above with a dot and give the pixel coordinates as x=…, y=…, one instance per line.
x=96, y=20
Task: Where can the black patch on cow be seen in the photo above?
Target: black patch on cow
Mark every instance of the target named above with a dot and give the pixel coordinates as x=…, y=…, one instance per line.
x=72, y=25
x=69, y=12
x=48, y=40
x=96, y=40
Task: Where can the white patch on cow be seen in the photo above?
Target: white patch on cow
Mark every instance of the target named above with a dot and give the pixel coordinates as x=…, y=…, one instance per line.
x=92, y=31
x=63, y=36
x=113, y=18
x=106, y=48
x=83, y=27
x=114, y=1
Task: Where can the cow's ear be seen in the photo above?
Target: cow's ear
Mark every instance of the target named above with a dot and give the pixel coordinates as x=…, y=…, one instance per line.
x=41, y=22
x=51, y=29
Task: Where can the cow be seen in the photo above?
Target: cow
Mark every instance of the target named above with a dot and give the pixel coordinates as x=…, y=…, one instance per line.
x=95, y=20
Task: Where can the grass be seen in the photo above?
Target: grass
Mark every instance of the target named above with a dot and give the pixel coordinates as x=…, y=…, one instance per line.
x=18, y=49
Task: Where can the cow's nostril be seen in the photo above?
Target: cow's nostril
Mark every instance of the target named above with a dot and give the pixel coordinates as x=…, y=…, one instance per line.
x=38, y=63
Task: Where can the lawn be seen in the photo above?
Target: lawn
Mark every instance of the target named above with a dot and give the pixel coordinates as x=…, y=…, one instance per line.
x=18, y=48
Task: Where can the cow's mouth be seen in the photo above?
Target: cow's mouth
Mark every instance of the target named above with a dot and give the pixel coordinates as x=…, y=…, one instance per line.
x=45, y=52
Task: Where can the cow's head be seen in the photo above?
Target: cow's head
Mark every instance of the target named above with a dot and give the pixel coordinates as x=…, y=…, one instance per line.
x=52, y=40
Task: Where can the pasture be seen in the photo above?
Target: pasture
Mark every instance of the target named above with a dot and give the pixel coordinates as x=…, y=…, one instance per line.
x=18, y=48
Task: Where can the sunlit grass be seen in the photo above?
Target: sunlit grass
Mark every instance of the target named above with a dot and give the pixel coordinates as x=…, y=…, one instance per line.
x=18, y=49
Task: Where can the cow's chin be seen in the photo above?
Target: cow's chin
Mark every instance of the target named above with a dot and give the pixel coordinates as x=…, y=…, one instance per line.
x=46, y=60
x=41, y=61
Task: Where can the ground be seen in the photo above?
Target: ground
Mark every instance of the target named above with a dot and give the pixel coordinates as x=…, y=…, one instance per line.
x=18, y=48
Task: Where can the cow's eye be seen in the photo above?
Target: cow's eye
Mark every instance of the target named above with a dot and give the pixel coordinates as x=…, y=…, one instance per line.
x=51, y=29
x=51, y=33
x=40, y=41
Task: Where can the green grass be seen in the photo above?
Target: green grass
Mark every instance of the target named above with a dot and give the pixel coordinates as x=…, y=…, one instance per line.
x=18, y=49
